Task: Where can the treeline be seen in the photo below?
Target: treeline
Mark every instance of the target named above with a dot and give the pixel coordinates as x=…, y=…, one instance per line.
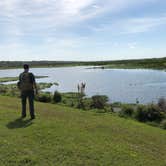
x=154, y=63
x=19, y=64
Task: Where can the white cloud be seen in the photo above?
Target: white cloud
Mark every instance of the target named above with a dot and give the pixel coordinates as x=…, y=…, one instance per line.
x=144, y=24
x=43, y=17
x=61, y=12
x=8, y=5
x=132, y=25
x=49, y=21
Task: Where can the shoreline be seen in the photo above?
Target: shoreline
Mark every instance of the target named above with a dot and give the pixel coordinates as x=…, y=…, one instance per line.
x=152, y=63
x=94, y=67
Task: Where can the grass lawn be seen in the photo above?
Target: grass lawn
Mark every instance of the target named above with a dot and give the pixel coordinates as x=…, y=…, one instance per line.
x=62, y=136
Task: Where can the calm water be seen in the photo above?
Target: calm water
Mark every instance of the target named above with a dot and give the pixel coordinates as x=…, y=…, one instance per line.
x=118, y=84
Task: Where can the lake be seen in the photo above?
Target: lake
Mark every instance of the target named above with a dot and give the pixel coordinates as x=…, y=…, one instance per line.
x=120, y=85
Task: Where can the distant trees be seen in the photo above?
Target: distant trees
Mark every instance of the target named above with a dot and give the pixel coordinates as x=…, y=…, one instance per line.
x=158, y=63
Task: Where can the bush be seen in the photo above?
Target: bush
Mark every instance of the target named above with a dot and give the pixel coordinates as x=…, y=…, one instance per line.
x=57, y=97
x=2, y=90
x=149, y=113
x=108, y=108
x=162, y=104
x=87, y=103
x=44, y=97
x=81, y=105
x=154, y=113
x=99, y=101
x=127, y=110
x=141, y=113
x=163, y=124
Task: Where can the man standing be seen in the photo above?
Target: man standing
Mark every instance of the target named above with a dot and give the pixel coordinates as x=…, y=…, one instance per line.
x=28, y=87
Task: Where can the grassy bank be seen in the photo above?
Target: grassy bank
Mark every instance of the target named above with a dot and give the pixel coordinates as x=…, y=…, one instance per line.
x=12, y=89
x=65, y=136
x=8, y=79
x=152, y=114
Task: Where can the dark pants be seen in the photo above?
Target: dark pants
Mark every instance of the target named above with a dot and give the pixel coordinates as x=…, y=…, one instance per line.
x=30, y=96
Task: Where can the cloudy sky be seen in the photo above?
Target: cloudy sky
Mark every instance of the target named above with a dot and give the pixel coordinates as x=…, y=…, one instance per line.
x=82, y=29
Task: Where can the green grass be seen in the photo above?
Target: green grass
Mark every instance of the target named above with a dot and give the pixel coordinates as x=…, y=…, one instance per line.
x=12, y=89
x=62, y=136
x=7, y=79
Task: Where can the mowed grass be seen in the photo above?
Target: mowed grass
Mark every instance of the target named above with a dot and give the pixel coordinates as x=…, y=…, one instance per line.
x=62, y=136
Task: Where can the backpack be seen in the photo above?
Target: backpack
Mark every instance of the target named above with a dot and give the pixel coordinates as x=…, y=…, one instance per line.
x=25, y=81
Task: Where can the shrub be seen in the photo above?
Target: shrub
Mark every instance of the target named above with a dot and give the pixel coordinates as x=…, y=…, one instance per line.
x=162, y=104
x=81, y=105
x=87, y=103
x=57, y=97
x=149, y=113
x=71, y=104
x=163, y=124
x=2, y=90
x=154, y=113
x=84, y=103
x=99, y=101
x=44, y=97
x=127, y=110
x=141, y=113
x=108, y=108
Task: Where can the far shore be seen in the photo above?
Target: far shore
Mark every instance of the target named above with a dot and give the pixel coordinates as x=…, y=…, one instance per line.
x=154, y=63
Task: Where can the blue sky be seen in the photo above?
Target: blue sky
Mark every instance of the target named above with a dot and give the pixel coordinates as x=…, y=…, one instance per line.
x=82, y=29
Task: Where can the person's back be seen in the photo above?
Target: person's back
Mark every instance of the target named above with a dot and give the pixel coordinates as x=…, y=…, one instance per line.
x=27, y=85
x=26, y=81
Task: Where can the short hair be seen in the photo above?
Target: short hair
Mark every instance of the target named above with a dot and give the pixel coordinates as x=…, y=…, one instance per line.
x=26, y=66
